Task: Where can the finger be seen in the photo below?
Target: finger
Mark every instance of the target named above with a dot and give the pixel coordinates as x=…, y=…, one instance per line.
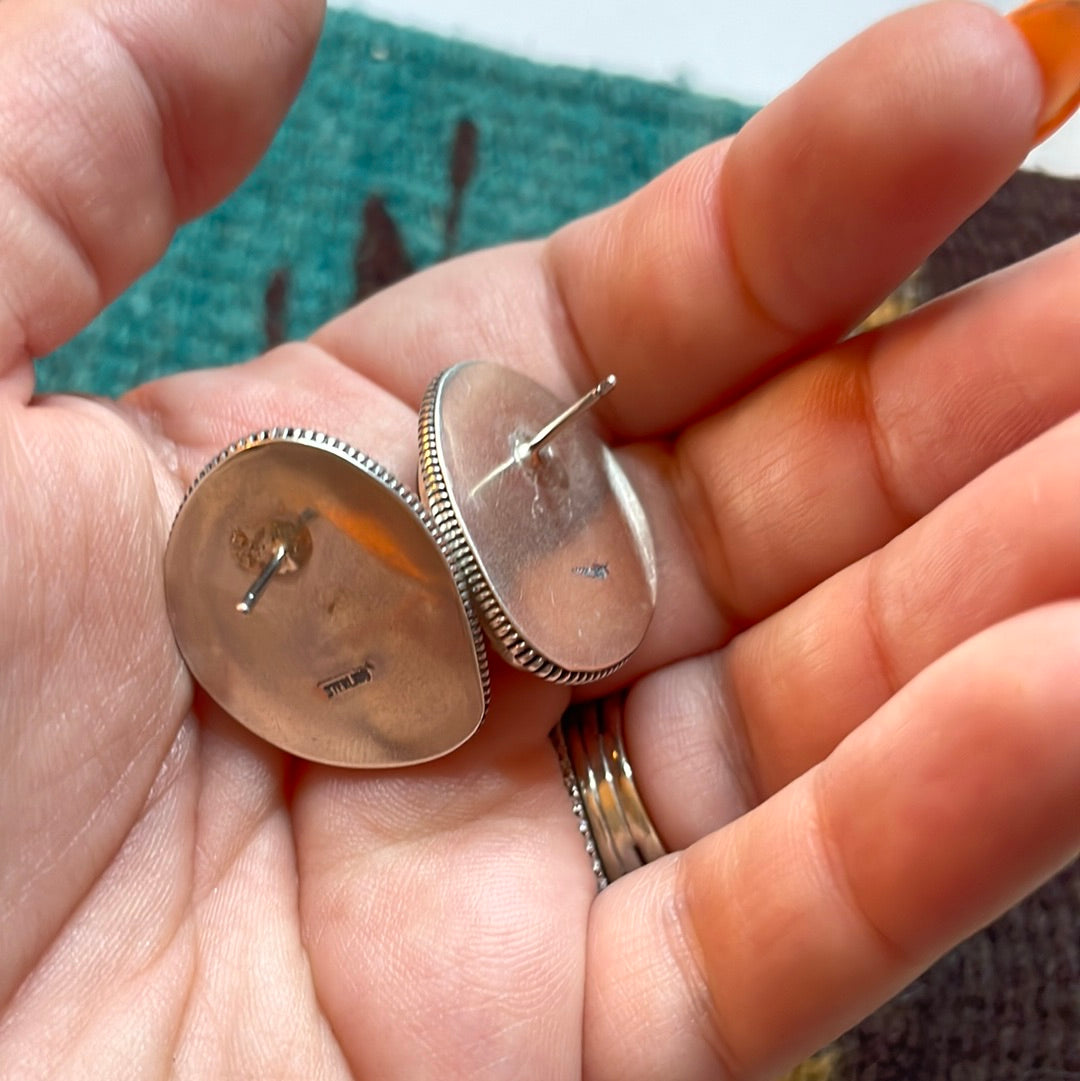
x=831, y=459
x=788, y=234
x=767, y=939
x=712, y=736
x=747, y=251
x=118, y=122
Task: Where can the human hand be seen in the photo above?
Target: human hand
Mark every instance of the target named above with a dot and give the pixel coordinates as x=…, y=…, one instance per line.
x=853, y=715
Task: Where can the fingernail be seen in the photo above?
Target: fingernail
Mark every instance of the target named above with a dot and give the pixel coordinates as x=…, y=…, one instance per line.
x=1052, y=30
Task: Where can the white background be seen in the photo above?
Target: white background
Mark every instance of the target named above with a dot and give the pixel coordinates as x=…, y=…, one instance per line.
x=750, y=51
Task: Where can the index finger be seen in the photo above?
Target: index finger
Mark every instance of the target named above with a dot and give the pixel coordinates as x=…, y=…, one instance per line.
x=763, y=246
x=746, y=253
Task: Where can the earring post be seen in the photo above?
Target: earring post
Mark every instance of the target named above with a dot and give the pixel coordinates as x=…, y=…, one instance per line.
x=549, y=431
x=251, y=597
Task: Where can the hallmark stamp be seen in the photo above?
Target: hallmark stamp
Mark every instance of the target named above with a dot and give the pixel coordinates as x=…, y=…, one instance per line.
x=338, y=685
x=593, y=570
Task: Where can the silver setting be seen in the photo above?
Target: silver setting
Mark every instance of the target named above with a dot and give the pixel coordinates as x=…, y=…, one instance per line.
x=545, y=525
x=356, y=644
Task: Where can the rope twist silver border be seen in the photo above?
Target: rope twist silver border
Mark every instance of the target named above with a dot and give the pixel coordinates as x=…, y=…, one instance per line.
x=619, y=835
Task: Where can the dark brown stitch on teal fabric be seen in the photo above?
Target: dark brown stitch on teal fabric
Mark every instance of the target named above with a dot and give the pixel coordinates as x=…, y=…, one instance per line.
x=380, y=258
x=275, y=304
x=462, y=167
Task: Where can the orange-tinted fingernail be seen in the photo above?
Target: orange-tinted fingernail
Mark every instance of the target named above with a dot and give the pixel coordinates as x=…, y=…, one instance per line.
x=1052, y=30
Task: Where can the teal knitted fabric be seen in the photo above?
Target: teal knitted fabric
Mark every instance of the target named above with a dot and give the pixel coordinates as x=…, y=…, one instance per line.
x=376, y=126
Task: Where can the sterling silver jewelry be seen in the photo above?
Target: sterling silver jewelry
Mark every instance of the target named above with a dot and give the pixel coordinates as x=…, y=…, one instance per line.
x=340, y=617
x=619, y=835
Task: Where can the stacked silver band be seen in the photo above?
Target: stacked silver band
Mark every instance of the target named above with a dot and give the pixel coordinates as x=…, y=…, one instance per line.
x=619, y=836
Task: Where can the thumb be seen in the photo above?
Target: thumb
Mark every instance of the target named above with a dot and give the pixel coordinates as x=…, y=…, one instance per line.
x=119, y=121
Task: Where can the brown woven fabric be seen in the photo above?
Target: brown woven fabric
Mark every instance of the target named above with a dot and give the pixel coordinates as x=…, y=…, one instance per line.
x=1031, y=212
x=1004, y=1006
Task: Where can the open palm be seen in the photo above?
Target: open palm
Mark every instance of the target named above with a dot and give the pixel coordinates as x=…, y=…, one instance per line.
x=853, y=718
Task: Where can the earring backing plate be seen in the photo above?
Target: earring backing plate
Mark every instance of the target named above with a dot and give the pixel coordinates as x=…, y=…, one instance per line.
x=312, y=598
x=554, y=543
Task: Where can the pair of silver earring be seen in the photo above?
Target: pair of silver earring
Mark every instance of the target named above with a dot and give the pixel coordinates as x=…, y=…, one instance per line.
x=340, y=617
